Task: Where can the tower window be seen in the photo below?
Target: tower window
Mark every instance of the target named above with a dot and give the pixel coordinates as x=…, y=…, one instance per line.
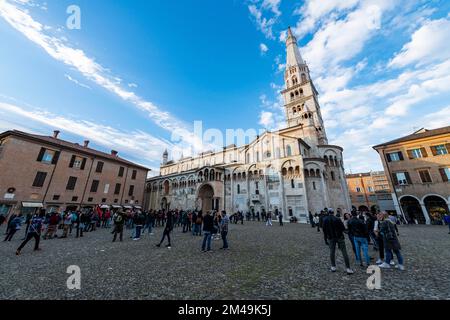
x=294, y=110
x=288, y=151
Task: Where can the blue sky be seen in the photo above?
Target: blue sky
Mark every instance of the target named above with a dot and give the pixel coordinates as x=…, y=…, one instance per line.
x=138, y=71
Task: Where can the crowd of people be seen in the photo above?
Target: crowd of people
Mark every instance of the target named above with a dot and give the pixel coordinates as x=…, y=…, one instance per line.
x=362, y=229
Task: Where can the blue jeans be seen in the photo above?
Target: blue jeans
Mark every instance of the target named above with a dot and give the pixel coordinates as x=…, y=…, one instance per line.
x=389, y=256
x=137, y=234
x=206, y=241
x=362, y=243
x=149, y=227
x=224, y=239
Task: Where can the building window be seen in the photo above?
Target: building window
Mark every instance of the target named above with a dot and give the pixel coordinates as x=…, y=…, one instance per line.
x=94, y=186
x=417, y=153
x=121, y=170
x=238, y=189
x=103, y=200
x=370, y=189
x=288, y=151
x=314, y=185
x=425, y=176
x=292, y=184
x=39, y=179
x=74, y=199
x=131, y=190
x=333, y=177
x=99, y=168
x=90, y=199
x=358, y=189
x=126, y=201
x=71, y=183
x=133, y=175
x=116, y=200
x=48, y=156
x=106, y=190
x=56, y=197
x=440, y=149
x=401, y=178
x=257, y=156
x=395, y=156
x=445, y=174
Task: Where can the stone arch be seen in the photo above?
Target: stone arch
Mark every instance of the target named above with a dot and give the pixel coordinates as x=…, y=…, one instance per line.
x=436, y=206
x=206, y=197
x=412, y=209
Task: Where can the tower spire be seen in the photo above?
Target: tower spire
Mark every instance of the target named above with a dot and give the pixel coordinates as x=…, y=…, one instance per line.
x=294, y=58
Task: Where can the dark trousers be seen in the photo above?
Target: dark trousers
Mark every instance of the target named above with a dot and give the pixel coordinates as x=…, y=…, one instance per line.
x=185, y=227
x=10, y=234
x=352, y=241
x=380, y=247
x=281, y=222
x=341, y=245
x=118, y=229
x=166, y=233
x=138, y=232
x=31, y=235
x=224, y=239
x=79, y=231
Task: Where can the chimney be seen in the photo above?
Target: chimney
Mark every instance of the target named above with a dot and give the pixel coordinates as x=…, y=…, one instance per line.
x=56, y=134
x=86, y=143
x=114, y=153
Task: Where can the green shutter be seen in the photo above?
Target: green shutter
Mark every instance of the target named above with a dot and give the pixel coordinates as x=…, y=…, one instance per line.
x=41, y=155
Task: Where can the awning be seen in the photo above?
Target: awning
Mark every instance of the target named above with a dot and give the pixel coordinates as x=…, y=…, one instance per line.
x=138, y=207
x=32, y=205
x=104, y=206
x=127, y=207
x=116, y=206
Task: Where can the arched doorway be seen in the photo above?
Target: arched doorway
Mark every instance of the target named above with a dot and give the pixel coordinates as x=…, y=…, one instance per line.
x=164, y=204
x=206, y=196
x=437, y=208
x=412, y=209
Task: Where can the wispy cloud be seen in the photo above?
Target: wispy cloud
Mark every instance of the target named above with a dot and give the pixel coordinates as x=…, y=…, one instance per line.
x=265, y=14
x=60, y=50
x=76, y=82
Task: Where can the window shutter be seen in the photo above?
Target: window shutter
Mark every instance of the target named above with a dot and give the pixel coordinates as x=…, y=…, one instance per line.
x=400, y=155
x=410, y=154
x=433, y=150
x=422, y=176
x=394, y=179
x=72, y=161
x=41, y=155
x=388, y=156
x=443, y=174
x=447, y=145
x=424, y=152
x=408, y=177
x=56, y=157
x=83, y=164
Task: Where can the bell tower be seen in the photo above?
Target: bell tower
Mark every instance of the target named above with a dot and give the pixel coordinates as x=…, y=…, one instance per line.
x=300, y=96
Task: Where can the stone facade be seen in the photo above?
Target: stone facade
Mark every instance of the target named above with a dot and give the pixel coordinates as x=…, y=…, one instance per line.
x=35, y=172
x=294, y=170
x=418, y=168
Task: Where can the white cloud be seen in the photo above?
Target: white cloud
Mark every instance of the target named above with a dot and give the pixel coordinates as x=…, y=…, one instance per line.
x=258, y=9
x=263, y=48
x=429, y=43
x=92, y=70
x=76, y=82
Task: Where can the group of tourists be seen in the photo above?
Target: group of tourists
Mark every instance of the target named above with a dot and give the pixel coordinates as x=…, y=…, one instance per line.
x=362, y=229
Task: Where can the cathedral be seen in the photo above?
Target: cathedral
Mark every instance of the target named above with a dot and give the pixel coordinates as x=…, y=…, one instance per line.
x=294, y=170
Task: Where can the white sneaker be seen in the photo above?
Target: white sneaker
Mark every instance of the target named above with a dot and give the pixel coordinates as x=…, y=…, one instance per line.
x=400, y=267
x=392, y=263
x=350, y=271
x=384, y=265
x=379, y=261
x=333, y=269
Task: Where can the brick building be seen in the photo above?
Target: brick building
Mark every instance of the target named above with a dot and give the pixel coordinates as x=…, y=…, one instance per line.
x=418, y=167
x=369, y=191
x=47, y=172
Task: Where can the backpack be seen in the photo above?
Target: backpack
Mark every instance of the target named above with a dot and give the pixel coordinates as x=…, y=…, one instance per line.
x=118, y=218
x=389, y=230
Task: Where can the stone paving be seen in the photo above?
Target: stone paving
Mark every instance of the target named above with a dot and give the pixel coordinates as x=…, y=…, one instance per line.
x=289, y=262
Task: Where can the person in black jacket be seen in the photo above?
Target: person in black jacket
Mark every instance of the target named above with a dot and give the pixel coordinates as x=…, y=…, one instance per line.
x=358, y=228
x=167, y=230
x=208, y=227
x=333, y=229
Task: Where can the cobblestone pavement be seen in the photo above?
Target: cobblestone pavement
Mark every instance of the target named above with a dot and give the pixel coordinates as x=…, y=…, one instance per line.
x=289, y=262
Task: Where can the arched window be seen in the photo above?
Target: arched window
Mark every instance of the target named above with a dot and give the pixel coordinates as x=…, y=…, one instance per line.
x=238, y=189
x=297, y=170
x=292, y=184
x=317, y=173
x=303, y=78
x=291, y=171
x=333, y=176
x=257, y=156
x=294, y=110
x=301, y=92
x=247, y=158
x=284, y=171
x=296, y=92
x=288, y=151
x=294, y=80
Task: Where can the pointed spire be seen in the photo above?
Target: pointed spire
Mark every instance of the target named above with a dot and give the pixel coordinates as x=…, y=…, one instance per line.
x=294, y=58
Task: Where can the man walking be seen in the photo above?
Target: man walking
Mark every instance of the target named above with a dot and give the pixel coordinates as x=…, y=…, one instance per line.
x=14, y=226
x=33, y=232
x=224, y=229
x=269, y=219
x=167, y=230
x=333, y=229
x=280, y=219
